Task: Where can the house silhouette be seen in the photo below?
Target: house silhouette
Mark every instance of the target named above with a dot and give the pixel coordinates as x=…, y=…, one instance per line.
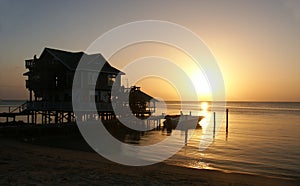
x=50, y=81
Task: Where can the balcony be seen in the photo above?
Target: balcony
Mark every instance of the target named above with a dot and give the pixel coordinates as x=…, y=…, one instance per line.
x=29, y=63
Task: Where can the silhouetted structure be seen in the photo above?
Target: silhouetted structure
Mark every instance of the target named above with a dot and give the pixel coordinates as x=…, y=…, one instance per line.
x=141, y=104
x=50, y=81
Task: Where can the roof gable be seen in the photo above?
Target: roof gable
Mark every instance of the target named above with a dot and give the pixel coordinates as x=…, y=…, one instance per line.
x=137, y=94
x=71, y=59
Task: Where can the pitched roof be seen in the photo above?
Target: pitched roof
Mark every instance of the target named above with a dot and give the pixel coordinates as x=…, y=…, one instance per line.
x=137, y=94
x=71, y=59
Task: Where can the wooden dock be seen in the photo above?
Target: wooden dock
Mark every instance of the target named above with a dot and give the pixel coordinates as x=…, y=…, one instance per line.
x=18, y=111
x=62, y=113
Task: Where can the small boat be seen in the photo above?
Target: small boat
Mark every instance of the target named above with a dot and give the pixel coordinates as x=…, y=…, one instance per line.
x=182, y=122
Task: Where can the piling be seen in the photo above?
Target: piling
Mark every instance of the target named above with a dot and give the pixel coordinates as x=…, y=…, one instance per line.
x=227, y=120
x=214, y=124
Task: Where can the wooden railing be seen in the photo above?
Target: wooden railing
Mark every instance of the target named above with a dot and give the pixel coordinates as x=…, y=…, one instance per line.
x=46, y=106
x=66, y=106
x=18, y=109
x=29, y=63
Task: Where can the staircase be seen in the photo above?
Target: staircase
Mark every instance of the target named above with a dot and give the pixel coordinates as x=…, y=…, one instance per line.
x=18, y=111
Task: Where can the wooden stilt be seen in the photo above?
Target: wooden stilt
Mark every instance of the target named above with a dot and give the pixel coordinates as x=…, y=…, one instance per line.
x=227, y=120
x=214, y=132
x=69, y=117
x=28, y=115
x=35, y=117
x=49, y=117
x=56, y=117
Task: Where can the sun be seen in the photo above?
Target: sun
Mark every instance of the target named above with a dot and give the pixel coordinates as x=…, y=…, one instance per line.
x=204, y=106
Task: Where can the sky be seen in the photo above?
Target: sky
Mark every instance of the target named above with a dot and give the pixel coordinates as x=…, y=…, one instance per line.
x=256, y=43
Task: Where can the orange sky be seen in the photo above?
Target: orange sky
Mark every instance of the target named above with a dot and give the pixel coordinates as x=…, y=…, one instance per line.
x=256, y=43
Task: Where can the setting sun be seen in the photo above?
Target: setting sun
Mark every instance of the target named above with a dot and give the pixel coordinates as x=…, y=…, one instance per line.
x=204, y=106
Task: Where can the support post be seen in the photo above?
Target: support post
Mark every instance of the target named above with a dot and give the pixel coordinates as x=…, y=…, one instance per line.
x=42, y=117
x=69, y=117
x=30, y=95
x=28, y=114
x=49, y=117
x=227, y=120
x=56, y=117
x=45, y=116
x=214, y=133
x=35, y=117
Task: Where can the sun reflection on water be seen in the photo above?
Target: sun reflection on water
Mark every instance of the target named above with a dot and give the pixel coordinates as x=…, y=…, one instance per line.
x=204, y=112
x=204, y=106
x=200, y=165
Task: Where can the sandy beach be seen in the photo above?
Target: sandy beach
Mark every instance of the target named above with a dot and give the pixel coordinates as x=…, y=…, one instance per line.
x=23, y=163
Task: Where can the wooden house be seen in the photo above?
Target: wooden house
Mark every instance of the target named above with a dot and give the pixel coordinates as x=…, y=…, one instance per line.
x=140, y=103
x=50, y=81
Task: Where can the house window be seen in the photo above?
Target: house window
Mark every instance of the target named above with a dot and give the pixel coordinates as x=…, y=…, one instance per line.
x=111, y=80
x=56, y=81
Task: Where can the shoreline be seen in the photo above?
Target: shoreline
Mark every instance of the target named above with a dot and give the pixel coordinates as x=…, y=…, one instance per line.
x=24, y=163
x=54, y=145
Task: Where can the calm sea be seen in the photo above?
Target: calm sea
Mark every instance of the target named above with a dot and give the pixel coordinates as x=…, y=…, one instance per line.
x=263, y=138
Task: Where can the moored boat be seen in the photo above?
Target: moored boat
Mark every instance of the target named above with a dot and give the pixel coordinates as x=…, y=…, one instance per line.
x=182, y=122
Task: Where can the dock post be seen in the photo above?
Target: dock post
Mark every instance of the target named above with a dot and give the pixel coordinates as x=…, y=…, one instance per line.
x=45, y=116
x=42, y=117
x=227, y=120
x=49, y=117
x=214, y=124
x=56, y=117
x=28, y=114
x=32, y=117
x=35, y=117
x=69, y=117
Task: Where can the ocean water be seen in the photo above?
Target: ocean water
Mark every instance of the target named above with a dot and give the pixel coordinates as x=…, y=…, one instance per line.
x=263, y=138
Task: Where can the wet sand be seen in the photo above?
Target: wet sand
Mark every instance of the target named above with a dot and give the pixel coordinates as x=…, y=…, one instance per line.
x=24, y=163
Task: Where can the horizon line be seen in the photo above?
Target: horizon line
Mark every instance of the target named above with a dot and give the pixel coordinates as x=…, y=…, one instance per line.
x=261, y=101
